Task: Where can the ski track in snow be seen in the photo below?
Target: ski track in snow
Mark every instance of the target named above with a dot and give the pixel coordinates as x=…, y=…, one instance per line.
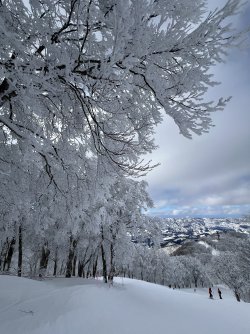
x=65, y=306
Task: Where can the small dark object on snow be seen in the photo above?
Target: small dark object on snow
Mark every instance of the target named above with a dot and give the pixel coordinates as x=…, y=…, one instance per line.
x=210, y=293
x=219, y=292
x=27, y=312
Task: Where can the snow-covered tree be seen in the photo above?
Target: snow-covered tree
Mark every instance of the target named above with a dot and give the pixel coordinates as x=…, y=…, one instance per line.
x=232, y=264
x=99, y=73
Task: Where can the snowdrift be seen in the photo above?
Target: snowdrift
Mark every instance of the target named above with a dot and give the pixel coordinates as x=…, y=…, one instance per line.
x=66, y=306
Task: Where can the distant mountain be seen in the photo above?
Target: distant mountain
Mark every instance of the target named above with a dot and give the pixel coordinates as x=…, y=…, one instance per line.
x=176, y=231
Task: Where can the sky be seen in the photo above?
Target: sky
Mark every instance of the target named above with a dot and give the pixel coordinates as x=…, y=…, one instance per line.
x=209, y=176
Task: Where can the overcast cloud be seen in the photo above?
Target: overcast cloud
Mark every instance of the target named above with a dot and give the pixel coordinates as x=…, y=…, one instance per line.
x=210, y=174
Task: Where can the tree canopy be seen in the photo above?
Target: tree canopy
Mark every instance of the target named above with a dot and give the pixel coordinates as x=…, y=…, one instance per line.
x=96, y=74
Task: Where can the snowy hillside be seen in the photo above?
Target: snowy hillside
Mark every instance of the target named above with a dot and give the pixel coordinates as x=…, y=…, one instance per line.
x=63, y=306
x=177, y=230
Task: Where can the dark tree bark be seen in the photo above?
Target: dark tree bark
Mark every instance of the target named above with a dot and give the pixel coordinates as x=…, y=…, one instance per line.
x=61, y=269
x=104, y=265
x=1, y=256
x=80, y=268
x=72, y=248
x=10, y=253
x=20, y=251
x=85, y=260
x=44, y=259
x=112, y=266
x=104, y=262
x=4, y=254
x=142, y=278
x=89, y=270
x=74, y=266
x=55, y=262
x=113, y=232
x=237, y=295
x=95, y=267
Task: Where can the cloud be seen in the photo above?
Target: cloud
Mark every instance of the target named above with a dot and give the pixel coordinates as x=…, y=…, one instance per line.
x=212, y=200
x=201, y=211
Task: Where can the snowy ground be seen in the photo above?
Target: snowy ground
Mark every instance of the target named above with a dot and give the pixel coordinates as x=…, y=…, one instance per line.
x=66, y=306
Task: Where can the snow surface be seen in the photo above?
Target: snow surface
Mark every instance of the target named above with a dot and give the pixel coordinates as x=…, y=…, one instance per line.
x=63, y=306
x=214, y=251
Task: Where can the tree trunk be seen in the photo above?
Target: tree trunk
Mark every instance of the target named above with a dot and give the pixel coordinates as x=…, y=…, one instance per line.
x=74, y=266
x=112, y=266
x=142, y=278
x=56, y=262
x=95, y=267
x=10, y=253
x=4, y=253
x=1, y=256
x=20, y=251
x=69, y=265
x=61, y=269
x=55, y=268
x=44, y=259
x=80, y=269
x=104, y=265
x=237, y=295
x=89, y=270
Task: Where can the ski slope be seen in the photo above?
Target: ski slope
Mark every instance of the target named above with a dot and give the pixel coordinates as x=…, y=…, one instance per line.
x=68, y=306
